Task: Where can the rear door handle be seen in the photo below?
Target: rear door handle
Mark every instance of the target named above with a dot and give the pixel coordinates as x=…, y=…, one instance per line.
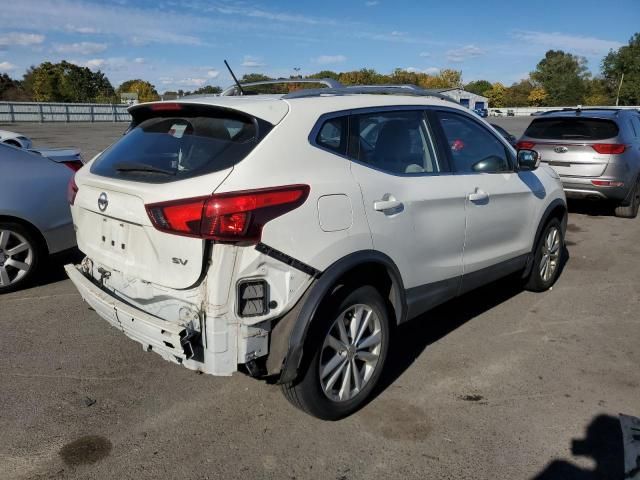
x=478, y=196
x=388, y=202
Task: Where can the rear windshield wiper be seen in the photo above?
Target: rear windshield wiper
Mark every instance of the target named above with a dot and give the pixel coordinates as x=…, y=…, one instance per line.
x=141, y=167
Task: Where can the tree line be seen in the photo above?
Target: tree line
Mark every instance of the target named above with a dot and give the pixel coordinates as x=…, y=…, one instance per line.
x=560, y=78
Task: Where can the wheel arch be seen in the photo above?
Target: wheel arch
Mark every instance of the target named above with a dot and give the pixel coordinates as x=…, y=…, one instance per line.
x=378, y=270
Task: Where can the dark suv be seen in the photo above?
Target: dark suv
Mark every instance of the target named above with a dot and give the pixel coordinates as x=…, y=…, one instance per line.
x=596, y=152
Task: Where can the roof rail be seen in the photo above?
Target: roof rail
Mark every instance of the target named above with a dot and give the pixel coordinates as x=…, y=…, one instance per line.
x=411, y=90
x=329, y=82
x=582, y=109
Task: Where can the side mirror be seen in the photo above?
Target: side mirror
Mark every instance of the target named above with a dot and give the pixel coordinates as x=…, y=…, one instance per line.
x=528, y=160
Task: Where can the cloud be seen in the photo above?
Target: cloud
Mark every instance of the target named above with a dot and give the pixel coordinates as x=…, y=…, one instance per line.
x=7, y=67
x=77, y=29
x=250, y=61
x=212, y=73
x=13, y=39
x=329, y=59
x=371, y=3
x=428, y=71
x=80, y=48
x=424, y=54
x=579, y=44
x=464, y=53
x=191, y=82
x=138, y=60
x=95, y=63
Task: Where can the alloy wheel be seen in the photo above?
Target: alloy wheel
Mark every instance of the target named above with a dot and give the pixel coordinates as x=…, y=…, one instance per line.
x=550, y=254
x=16, y=257
x=350, y=352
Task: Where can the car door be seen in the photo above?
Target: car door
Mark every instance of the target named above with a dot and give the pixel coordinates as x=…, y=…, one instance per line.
x=499, y=200
x=414, y=206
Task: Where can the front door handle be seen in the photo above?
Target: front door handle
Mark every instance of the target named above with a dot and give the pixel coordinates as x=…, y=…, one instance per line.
x=479, y=196
x=387, y=202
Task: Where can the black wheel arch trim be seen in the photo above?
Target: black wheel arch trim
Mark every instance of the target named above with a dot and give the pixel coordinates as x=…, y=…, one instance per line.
x=319, y=291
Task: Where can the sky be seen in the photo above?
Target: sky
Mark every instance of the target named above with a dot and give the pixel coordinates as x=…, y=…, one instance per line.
x=181, y=44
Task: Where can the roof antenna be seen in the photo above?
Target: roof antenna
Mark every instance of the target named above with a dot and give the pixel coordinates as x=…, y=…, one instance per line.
x=234, y=78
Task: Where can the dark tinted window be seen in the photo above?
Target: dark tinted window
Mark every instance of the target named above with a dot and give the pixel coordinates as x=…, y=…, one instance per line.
x=333, y=135
x=473, y=147
x=396, y=142
x=168, y=148
x=572, y=128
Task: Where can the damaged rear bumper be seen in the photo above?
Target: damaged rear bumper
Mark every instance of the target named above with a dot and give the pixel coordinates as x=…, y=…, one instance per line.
x=172, y=341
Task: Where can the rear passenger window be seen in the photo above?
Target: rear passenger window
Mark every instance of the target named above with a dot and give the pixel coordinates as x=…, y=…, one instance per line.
x=395, y=142
x=473, y=148
x=333, y=135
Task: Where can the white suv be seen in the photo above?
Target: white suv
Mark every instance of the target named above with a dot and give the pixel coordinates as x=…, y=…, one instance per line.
x=286, y=235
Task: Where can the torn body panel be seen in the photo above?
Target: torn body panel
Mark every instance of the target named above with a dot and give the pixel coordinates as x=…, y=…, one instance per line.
x=201, y=327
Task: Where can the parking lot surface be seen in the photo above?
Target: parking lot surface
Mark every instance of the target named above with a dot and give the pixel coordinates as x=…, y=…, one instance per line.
x=499, y=384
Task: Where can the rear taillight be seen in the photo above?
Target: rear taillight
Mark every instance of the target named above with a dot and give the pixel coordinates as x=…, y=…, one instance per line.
x=235, y=216
x=609, y=148
x=165, y=106
x=72, y=189
x=523, y=145
x=606, y=183
x=74, y=165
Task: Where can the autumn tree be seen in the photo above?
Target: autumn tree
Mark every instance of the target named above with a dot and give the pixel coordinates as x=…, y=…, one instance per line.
x=537, y=97
x=496, y=95
x=146, y=92
x=517, y=95
x=563, y=76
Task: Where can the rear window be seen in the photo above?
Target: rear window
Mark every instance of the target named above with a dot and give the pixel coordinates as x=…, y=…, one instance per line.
x=181, y=144
x=568, y=128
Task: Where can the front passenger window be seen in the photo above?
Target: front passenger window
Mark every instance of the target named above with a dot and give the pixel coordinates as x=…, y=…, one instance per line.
x=473, y=148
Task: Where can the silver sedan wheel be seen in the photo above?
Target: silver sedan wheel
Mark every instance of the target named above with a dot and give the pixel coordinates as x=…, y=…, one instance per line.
x=550, y=254
x=350, y=352
x=16, y=257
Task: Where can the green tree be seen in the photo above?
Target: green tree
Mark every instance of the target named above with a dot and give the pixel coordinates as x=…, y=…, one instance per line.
x=66, y=82
x=207, y=90
x=517, y=95
x=598, y=93
x=496, y=95
x=479, y=87
x=625, y=60
x=146, y=92
x=325, y=74
x=563, y=76
x=361, y=77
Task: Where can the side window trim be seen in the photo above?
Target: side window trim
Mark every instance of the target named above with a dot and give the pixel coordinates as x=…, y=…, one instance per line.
x=442, y=136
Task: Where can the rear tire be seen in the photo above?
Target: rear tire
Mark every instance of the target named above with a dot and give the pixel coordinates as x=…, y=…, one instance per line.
x=20, y=256
x=548, y=257
x=348, y=345
x=631, y=210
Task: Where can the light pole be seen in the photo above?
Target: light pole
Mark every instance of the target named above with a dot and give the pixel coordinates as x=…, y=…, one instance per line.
x=619, y=88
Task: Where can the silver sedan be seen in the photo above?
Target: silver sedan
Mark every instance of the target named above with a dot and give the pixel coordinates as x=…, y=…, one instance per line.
x=35, y=220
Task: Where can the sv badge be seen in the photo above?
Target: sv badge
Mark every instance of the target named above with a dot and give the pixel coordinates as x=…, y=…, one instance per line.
x=179, y=261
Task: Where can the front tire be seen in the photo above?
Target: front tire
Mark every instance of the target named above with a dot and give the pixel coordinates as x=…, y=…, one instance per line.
x=349, y=342
x=547, y=258
x=20, y=255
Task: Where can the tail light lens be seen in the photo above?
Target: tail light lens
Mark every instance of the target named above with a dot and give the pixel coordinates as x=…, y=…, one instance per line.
x=235, y=216
x=74, y=165
x=609, y=148
x=72, y=189
x=523, y=145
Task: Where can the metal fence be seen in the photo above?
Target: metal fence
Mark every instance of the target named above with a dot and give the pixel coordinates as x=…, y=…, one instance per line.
x=62, y=112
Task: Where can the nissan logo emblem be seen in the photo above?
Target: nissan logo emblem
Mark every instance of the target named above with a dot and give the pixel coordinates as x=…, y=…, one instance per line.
x=561, y=149
x=103, y=202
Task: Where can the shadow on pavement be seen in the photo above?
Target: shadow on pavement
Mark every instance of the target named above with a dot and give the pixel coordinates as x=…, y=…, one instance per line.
x=592, y=208
x=53, y=269
x=603, y=443
x=412, y=338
